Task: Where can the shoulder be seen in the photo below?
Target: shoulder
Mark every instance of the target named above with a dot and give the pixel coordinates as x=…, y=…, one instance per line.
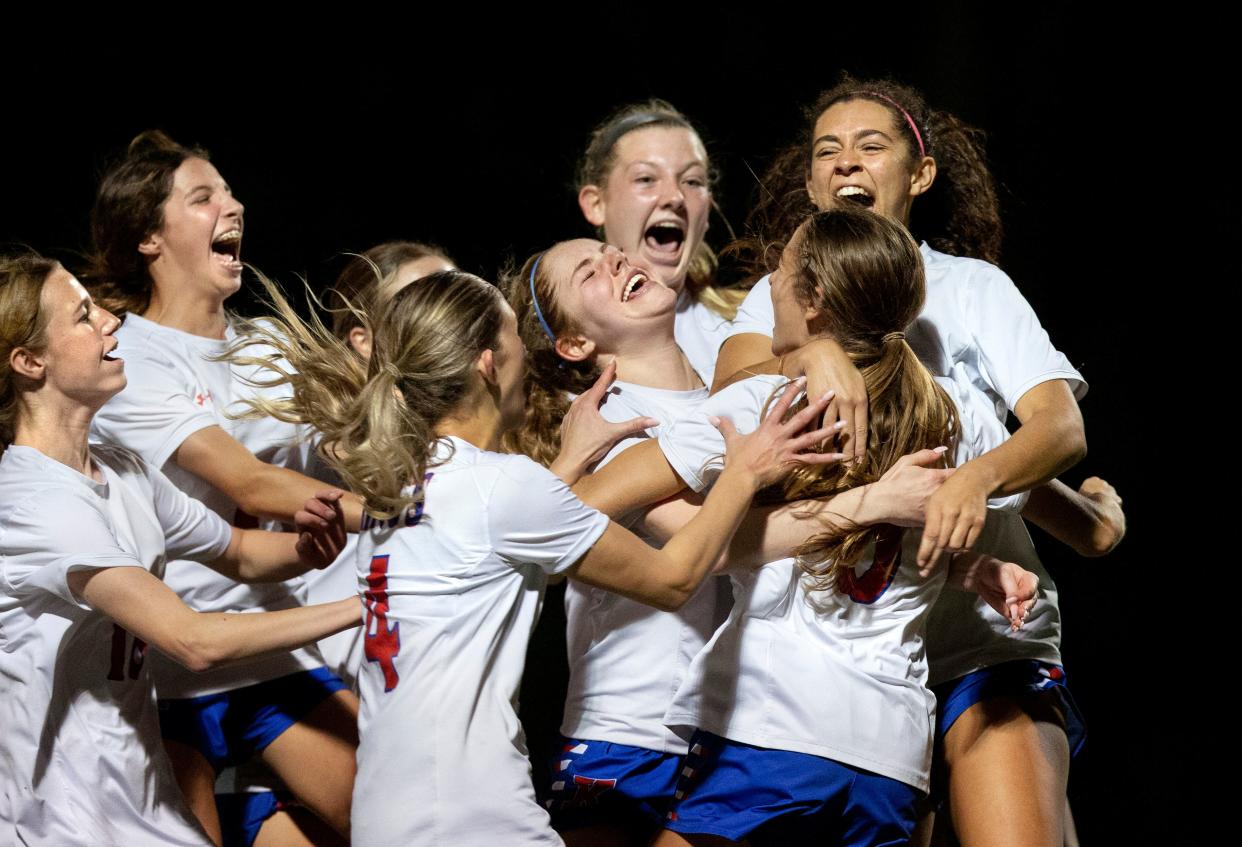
x=962, y=270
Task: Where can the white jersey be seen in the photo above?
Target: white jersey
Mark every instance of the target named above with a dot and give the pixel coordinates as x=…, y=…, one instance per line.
x=839, y=674
x=978, y=328
x=81, y=761
x=699, y=331
x=342, y=652
x=454, y=588
x=625, y=658
x=174, y=391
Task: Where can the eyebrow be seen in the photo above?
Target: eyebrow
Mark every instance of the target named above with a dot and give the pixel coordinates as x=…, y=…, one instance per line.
x=586, y=261
x=864, y=134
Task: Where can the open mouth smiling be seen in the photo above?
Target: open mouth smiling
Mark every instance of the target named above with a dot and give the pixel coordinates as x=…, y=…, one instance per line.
x=227, y=248
x=665, y=237
x=857, y=195
x=635, y=286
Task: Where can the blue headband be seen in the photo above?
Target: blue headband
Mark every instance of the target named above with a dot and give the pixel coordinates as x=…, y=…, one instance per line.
x=534, y=299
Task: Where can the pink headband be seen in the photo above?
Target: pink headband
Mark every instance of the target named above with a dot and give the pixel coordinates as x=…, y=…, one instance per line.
x=913, y=126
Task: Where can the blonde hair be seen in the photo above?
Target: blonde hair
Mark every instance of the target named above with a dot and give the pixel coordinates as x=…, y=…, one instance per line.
x=23, y=324
x=377, y=419
x=864, y=274
x=598, y=160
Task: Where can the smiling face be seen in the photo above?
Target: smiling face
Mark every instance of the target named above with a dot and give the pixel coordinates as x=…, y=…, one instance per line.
x=199, y=243
x=655, y=201
x=78, y=360
x=859, y=156
x=615, y=306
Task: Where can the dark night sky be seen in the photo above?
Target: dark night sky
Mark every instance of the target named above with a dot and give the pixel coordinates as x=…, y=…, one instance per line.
x=374, y=129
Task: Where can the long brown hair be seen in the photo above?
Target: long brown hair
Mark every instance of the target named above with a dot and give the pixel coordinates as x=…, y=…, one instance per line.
x=601, y=155
x=23, y=324
x=129, y=206
x=377, y=419
x=864, y=275
x=959, y=214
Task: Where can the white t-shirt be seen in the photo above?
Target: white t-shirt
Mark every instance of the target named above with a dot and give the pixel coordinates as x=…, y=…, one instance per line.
x=342, y=652
x=625, y=658
x=699, y=331
x=174, y=391
x=978, y=328
x=833, y=674
x=442, y=758
x=81, y=761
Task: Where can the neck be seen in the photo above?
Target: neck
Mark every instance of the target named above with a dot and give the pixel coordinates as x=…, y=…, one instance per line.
x=477, y=422
x=195, y=314
x=57, y=430
x=658, y=365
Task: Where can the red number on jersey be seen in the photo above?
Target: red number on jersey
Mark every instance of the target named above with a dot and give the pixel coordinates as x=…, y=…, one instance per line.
x=381, y=643
x=137, y=652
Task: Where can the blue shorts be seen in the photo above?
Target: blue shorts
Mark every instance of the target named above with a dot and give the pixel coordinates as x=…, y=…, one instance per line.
x=242, y=815
x=767, y=796
x=600, y=782
x=230, y=727
x=1023, y=677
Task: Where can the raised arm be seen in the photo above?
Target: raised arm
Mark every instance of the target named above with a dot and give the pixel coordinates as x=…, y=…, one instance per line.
x=1050, y=440
x=255, y=555
x=667, y=578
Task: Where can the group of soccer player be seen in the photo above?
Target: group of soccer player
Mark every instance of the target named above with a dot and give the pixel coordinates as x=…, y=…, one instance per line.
x=272, y=581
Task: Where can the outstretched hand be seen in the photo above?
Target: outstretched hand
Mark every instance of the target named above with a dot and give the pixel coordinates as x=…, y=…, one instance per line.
x=955, y=515
x=778, y=444
x=906, y=487
x=320, y=526
x=586, y=436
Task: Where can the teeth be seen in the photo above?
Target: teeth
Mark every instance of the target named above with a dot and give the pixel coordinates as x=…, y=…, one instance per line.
x=634, y=282
x=852, y=190
x=667, y=225
x=231, y=235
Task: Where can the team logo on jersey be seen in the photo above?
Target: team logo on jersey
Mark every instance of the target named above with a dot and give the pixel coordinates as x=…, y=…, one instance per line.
x=412, y=516
x=875, y=580
x=202, y=398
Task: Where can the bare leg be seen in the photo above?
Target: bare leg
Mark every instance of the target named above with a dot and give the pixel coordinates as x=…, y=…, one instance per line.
x=197, y=780
x=297, y=828
x=316, y=759
x=1008, y=763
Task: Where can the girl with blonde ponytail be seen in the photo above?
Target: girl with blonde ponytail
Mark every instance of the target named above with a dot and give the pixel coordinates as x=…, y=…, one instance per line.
x=457, y=543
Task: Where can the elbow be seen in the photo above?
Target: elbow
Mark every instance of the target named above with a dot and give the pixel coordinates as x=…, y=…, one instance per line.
x=196, y=655
x=672, y=598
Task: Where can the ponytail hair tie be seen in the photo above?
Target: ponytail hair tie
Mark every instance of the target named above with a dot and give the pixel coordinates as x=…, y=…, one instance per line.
x=893, y=336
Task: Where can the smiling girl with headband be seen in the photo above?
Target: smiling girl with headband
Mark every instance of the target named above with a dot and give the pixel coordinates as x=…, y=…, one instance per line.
x=877, y=145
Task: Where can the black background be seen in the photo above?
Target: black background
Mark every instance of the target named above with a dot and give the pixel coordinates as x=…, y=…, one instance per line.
x=465, y=132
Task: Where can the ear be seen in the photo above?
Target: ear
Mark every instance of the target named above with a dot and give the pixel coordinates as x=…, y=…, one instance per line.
x=151, y=245
x=27, y=364
x=814, y=320
x=591, y=202
x=360, y=340
x=485, y=366
x=575, y=348
x=923, y=177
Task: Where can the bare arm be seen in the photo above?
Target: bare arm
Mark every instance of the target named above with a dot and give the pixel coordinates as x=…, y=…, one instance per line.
x=667, y=578
x=259, y=489
x=150, y=610
x=635, y=478
x=1050, y=440
x=1007, y=587
x=1090, y=520
x=824, y=364
x=255, y=555
x=772, y=532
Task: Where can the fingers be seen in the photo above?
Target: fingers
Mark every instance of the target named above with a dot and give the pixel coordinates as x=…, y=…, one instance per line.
x=786, y=399
x=725, y=426
x=923, y=458
x=633, y=426
x=601, y=385
x=859, y=417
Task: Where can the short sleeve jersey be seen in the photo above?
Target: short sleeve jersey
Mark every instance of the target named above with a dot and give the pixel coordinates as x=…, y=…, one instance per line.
x=454, y=588
x=834, y=673
x=977, y=328
x=175, y=390
x=625, y=658
x=699, y=331
x=82, y=761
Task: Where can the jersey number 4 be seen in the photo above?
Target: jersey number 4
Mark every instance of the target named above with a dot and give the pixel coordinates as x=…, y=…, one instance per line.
x=381, y=642
x=125, y=652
